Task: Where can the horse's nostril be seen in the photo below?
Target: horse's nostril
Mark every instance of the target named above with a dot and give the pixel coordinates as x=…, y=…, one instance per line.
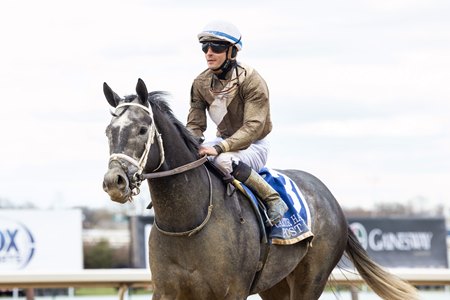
x=115, y=179
x=121, y=182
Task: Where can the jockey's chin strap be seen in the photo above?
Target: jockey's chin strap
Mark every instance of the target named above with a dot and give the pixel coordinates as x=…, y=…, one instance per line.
x=153, y=132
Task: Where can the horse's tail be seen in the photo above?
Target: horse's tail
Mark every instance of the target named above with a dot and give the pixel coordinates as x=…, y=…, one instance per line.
x=383, y=283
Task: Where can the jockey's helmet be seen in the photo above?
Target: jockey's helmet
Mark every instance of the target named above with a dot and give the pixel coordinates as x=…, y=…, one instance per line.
x=221, y=31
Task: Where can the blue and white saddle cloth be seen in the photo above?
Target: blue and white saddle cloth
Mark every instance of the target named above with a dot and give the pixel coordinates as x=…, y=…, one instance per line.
x=296, y=223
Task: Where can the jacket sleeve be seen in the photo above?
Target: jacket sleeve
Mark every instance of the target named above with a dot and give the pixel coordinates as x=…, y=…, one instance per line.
x=196, y=120
x=255, y=95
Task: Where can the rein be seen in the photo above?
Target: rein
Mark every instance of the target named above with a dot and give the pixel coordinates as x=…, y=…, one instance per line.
x=208, y=216
x=195, y=164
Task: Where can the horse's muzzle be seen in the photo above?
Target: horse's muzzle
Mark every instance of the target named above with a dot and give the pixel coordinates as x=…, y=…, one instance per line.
x=116, y=184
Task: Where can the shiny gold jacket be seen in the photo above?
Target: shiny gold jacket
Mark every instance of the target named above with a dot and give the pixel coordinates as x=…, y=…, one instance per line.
x=238, y=105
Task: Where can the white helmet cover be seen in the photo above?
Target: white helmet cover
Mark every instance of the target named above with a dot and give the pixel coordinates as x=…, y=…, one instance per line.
x=221, y=30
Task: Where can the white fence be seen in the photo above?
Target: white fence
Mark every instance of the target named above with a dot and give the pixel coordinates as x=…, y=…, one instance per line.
x=126, y=278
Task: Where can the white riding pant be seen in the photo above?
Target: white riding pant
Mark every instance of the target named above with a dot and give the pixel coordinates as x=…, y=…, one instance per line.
x=255, y=155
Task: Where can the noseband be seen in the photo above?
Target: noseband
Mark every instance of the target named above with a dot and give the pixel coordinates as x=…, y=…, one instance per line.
x=136, y=179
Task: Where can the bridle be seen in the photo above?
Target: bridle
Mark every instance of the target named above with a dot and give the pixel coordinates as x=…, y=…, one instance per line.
x=135, y=181
x=139, y=176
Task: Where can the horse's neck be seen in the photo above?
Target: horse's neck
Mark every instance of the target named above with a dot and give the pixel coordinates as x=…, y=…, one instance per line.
x=180, y=200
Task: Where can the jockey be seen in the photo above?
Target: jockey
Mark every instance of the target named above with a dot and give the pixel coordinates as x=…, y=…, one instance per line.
x=237, y=100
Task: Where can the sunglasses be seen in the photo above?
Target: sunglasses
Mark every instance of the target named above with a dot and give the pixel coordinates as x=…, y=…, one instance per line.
x=215, y=47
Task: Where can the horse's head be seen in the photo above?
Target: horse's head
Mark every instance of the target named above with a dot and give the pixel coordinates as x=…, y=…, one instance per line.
x=131, y=133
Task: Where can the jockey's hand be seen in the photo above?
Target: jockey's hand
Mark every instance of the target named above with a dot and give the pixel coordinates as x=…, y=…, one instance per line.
x=208, y=150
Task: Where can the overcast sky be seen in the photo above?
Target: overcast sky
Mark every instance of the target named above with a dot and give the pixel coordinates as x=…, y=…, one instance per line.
x=359, y=90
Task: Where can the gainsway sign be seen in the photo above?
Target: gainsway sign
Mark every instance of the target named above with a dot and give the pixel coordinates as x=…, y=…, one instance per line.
x=405, y=242
x=40, y=240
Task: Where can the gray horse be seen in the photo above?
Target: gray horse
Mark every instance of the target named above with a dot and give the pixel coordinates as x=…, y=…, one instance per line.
x=205, y=243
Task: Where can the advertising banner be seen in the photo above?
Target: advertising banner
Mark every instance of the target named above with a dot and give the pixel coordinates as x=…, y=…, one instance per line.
x=403, y=242
x=41, y=240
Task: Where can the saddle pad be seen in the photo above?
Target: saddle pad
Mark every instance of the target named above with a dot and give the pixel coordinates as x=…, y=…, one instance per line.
x=296, y=223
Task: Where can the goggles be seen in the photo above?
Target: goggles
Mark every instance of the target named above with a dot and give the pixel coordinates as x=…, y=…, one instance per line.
x=215, y=47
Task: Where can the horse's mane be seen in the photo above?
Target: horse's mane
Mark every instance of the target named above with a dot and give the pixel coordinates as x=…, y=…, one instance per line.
x=157, y=100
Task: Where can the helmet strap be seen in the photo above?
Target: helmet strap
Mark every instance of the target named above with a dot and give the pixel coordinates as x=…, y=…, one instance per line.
x=228, y=64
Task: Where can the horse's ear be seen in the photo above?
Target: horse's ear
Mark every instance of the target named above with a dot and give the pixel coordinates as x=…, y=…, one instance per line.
x=113, y=98
x=141, y=91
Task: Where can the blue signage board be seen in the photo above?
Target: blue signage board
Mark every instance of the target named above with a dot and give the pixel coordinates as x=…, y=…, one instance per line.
x=403, y=242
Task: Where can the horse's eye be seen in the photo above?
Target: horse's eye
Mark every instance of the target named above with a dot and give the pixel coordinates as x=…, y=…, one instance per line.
x=143, y=130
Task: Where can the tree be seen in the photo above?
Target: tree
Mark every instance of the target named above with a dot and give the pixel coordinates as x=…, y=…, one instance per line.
x=98, y=255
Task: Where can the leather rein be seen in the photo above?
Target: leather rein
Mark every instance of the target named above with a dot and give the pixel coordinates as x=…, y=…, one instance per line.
x=192, y=165
x=139, y=176
x=195, y=164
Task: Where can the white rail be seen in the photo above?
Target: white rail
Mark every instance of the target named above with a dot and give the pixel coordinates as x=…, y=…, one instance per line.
x=84, y=278
x=428, y=277
x=126, y=278
x=122, y=279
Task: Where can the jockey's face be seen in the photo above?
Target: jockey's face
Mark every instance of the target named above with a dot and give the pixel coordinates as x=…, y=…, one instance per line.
x=215, y=60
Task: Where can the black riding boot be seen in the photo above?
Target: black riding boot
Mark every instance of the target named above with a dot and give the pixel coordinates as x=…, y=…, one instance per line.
x=276, y=206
